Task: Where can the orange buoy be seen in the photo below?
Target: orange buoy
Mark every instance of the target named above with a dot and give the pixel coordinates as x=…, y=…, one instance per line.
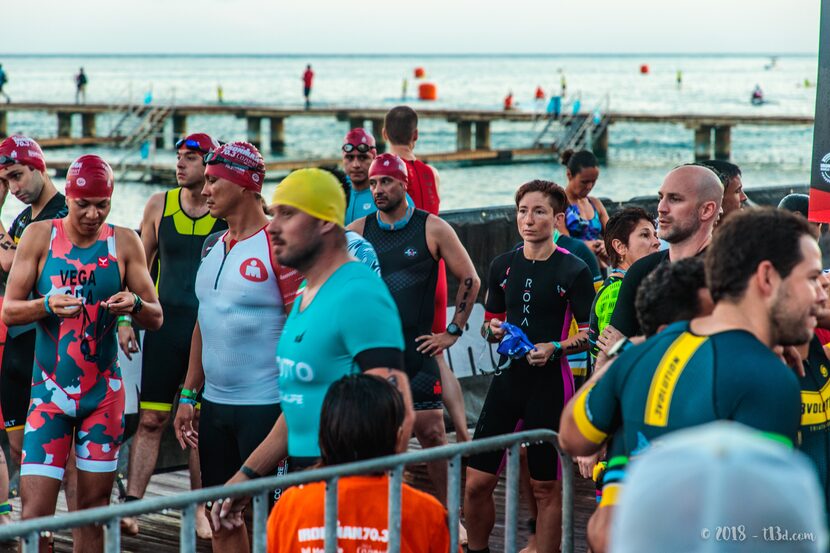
x=420, y=73
x=644, y=69
x=427, y=91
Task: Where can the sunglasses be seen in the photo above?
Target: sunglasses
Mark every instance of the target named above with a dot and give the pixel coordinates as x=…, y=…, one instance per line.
x=362, y=148
x=191, y=144
x=89, y=344
x=212, y=158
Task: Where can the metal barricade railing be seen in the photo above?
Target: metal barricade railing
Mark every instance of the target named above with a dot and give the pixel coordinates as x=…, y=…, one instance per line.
x=110, y=516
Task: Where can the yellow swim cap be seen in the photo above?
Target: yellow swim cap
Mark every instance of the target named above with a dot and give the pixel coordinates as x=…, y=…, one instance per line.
x=313, y=191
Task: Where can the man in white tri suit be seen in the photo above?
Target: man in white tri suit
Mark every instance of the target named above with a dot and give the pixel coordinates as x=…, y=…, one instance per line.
x=244, y=295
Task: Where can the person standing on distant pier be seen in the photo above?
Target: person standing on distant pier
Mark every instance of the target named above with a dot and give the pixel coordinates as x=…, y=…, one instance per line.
x=80, y=87
x=3, y=81
x=173, y=231
x=400, y=130
x=308, y=77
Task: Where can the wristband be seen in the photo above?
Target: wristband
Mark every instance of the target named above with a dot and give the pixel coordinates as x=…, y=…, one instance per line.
x=46, y=305
x=249, y=472
x=190, y=394
x=557, y=350
x=125, y=320
x=137, y=305
x=187, y=400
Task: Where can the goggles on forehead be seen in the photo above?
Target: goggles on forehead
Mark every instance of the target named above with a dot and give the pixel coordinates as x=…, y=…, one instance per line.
x=212, y=158
x=348, y=147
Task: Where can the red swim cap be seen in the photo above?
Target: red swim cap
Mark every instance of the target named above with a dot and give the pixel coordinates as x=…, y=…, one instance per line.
x=239, y=162
x=199, y=142
x=389, y=165
x=89, y=176
x=23, y=150
x=359, y=136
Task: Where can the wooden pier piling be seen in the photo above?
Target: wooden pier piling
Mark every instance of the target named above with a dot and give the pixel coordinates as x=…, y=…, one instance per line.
x=179, y=126
x=723, y=143
x=703, y=142
x=464, y=136
x=482, y=135
x=64, y=124
x=277, y=125
x=255, y=131
x=88, y=125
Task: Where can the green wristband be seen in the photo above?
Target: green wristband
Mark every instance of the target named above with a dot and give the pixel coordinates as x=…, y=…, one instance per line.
x=190, y=394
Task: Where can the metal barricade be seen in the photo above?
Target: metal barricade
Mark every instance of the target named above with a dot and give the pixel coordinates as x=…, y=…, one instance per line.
x=30, y=530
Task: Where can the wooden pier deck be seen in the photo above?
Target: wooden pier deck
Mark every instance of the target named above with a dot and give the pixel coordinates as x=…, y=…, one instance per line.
x=473, y=126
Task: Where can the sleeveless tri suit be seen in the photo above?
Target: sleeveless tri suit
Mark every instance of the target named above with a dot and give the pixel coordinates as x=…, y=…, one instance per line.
x=77, y=390
x=424, y=193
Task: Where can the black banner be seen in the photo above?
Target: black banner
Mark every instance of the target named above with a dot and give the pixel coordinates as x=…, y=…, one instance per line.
x=820, y=169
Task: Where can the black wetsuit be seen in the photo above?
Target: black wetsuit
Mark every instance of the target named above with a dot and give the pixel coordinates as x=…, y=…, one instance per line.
x=540, y=297
x=624, y=318
x=19, y=351
x=411, y=273
x=167, y=351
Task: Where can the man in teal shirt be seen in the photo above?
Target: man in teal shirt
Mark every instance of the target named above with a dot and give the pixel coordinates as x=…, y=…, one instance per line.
x=345, y=322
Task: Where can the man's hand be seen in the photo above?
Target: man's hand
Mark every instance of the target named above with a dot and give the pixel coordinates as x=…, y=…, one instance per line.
x=587, y=464
x=609, y=337
x=435, y=344
x=127, y=341
x=65, y=306
x=183, y=426
x=228, y=513
x=540, y=354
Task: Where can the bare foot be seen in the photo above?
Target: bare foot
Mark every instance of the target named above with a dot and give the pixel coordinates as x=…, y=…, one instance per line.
x=203, y=530
x=531, y=545
x=129, y=526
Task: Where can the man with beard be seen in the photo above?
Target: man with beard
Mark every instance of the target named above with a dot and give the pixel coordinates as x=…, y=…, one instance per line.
x=410, y=243
x=767, y=292
x=173, y=230
x=359, y=151
x=345, y=322
x=689, y=206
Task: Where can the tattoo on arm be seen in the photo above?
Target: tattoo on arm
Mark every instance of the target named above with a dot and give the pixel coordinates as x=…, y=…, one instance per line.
x=468, y=283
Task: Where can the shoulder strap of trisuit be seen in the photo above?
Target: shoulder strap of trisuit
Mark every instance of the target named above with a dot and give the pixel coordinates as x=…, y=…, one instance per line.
x=171, y=202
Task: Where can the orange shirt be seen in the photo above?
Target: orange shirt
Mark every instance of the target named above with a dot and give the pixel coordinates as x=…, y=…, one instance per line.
x=297, y=522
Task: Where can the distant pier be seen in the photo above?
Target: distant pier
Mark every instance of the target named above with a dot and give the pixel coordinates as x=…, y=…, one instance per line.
x=139, y=123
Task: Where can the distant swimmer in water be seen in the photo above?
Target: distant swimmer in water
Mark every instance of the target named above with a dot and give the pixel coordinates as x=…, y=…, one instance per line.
x=757, y=96
x=679, y=78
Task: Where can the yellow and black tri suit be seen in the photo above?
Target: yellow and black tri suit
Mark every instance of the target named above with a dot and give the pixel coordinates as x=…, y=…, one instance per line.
x=677, y=379
x=814, y=435
x=166, y=351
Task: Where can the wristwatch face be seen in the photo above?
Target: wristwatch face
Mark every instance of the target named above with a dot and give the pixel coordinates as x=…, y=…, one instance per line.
x=453, y=329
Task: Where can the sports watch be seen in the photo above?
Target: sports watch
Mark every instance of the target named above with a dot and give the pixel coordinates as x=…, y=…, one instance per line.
x=454, y=330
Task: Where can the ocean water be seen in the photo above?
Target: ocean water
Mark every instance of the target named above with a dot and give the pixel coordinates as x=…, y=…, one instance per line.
x=639, y=155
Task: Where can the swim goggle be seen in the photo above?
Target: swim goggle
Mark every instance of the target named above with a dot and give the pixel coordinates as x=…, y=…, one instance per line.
x=190, y=143
x=348, y=147
x=212, y=158
x=8, y=160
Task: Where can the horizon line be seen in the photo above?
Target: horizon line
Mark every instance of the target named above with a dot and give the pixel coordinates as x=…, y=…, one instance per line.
x=401, y=54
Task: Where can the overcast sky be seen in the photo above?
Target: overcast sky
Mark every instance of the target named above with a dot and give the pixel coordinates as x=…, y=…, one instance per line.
x=422, y=26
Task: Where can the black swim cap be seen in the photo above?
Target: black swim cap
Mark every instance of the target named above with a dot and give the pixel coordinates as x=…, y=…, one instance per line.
x=797, y=203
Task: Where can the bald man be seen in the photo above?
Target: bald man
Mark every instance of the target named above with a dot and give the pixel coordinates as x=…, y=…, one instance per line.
x=689, y=203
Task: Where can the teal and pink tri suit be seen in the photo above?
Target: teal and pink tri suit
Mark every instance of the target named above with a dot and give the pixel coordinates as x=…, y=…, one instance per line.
x=76, y=386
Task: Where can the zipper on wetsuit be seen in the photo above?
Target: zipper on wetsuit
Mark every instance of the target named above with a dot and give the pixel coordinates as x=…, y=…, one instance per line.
x=222, y=266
